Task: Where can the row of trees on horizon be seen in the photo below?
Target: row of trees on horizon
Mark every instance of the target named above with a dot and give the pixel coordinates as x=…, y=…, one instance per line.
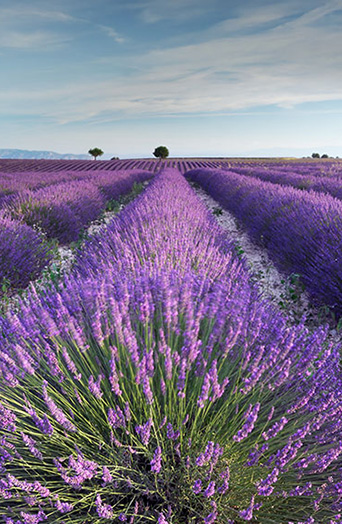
x=163, y=152
x=159, y=152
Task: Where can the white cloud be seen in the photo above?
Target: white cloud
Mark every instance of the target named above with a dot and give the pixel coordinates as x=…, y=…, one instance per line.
x=109, y=31
x=287, y=64
x=30, y=40
x=21, y=27
x=154, y=11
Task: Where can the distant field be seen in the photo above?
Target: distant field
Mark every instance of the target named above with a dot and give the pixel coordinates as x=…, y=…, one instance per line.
x=152, y=381
x=151, y=164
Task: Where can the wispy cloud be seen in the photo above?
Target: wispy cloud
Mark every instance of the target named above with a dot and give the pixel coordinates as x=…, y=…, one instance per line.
x=287, y=63
x=21, y=27
x=154, y=11
x=30, y=40
x=317, y=13
x=19, y=13
x=109, y=31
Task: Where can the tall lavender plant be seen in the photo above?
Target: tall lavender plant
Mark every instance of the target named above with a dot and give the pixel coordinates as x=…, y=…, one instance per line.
x=161, y=389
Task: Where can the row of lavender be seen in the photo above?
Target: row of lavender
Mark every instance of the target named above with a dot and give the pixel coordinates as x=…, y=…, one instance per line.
x=297, y=177
x=12, y=183
x=59, y=211
x=301, y=230
x=48, y=166
x=309, y=167
x=154, y=386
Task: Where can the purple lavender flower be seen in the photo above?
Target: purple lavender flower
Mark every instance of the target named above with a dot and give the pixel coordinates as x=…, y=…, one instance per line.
x=274, y=430
x=56, y=412
x=185, y=420
x=84, y=470
x=168, y=363
x=210, y=490
x=147, y=390
x=144, y=431
x=63, y=507
x=95, y=387
x=7, y=419
x=114, y=379
x=156, y=461
x=163, y=422
x=104, y=511
x=116, y=418
x=106, y=476
x=31, y=444
x=247, y=514
x=42, y=423
x=163, y=386
x=171, y=433
x=249, y=425
x=127, y=412
x=29, y=518
x=265, y=487
x=70, y=364
x=205, y=317
x=197, y=487
x=211, y=517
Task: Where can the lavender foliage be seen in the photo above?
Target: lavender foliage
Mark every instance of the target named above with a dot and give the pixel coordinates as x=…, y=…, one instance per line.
x=63, y=209
x=23, y=253
x=161, y=297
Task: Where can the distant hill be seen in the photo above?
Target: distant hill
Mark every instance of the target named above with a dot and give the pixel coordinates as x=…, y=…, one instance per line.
x=23, y=153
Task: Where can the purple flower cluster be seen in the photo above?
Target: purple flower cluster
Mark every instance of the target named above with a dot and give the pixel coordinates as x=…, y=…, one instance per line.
x=251, y=418
x=154, y=384
x=63, y=209
x=156, y=461
x=144, y=431
x=23, y=253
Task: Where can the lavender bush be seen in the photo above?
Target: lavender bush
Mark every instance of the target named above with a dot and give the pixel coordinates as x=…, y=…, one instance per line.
x=160, y=388
x=23, y=254
x=63, y=210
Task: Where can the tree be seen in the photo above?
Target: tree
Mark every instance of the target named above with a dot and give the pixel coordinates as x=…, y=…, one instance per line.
x=325, y=156
x=315, y=155
x=161, y=152
x=95, y=152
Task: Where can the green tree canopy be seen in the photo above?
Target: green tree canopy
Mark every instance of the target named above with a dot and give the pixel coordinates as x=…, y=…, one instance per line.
x=315, y=155
x=161, y=152
x=95, y=152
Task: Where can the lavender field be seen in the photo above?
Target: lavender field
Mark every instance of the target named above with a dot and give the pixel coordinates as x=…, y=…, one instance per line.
x=153, y=382
x=37, y=208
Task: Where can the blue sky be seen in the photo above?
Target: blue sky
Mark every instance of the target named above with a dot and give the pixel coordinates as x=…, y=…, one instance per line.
x=218, y=78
